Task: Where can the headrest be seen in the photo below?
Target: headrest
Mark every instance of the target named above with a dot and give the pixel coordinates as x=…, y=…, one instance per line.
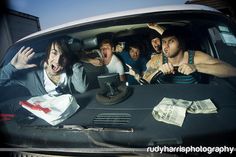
x=74, y=44
x=90, y=43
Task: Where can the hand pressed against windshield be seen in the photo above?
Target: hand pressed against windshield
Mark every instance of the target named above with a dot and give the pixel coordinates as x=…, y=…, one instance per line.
x=21, y=59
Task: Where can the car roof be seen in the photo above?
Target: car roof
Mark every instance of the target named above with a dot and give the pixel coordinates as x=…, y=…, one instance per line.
x=183, y=7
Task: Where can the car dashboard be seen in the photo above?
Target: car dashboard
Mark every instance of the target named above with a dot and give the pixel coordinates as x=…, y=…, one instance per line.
x=130, y=123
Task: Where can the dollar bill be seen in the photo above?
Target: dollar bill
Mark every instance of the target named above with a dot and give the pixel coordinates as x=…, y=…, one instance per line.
x=173, y=111
x=203, y=106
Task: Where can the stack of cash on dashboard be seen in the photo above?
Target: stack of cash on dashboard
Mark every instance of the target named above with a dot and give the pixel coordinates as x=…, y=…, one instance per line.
x=173, y=111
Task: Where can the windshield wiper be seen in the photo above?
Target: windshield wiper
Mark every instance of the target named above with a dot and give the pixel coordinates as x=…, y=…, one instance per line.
x=81, y=128
x=87, y=132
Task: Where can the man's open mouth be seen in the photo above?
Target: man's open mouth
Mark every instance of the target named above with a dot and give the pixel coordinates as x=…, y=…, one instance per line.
x=105, y=55
x=55, y=68
x=158, y=48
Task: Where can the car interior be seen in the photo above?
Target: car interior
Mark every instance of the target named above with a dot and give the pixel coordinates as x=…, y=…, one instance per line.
x=86, y=43
x=138, y=33
x=203, y=33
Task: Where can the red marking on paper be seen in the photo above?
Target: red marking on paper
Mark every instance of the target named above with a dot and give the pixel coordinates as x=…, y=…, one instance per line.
x=35, y=106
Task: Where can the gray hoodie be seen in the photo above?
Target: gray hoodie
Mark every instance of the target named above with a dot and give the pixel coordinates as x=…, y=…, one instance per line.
x=33, y=79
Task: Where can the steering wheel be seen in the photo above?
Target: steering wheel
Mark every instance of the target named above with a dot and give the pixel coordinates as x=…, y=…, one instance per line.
x=156, y=78
x=143, y=81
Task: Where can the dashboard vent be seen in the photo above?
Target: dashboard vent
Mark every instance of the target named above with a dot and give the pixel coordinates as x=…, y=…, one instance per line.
x=112, y=119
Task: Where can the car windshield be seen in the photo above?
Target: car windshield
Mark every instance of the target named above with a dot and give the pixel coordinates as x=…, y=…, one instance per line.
x=127, y=118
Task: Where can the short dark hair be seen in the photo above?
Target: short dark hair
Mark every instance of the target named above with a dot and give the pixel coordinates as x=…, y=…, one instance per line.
x=135, y=45
x=106, y=41
x=178, y=32
x=153, y=34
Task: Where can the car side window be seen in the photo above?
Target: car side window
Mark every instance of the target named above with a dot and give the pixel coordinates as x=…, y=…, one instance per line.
x=225, y=43
x=227, y=36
